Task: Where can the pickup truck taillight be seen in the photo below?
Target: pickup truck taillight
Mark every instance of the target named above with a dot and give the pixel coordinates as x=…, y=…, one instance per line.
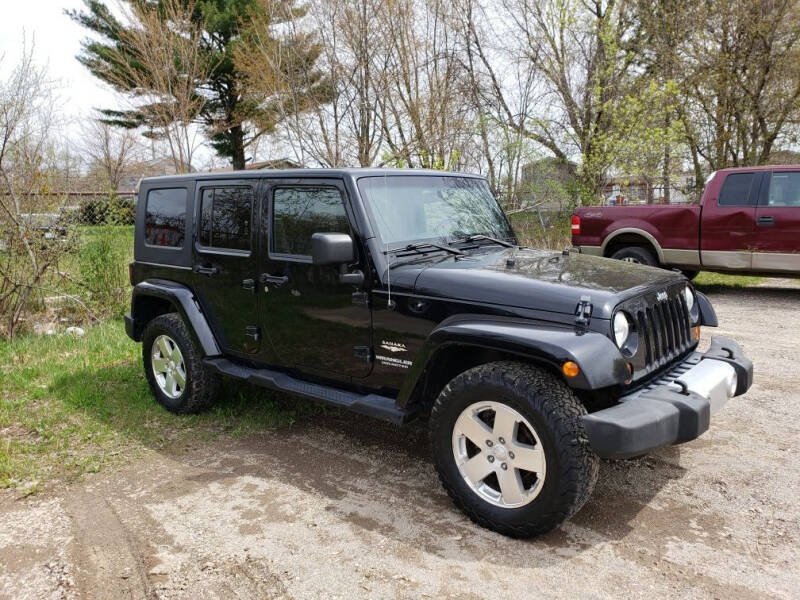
x=576, y=225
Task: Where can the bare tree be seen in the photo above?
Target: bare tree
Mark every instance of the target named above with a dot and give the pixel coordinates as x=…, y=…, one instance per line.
x=742, y=81
x=161, y=79
x=108, y=150
x=29, y=166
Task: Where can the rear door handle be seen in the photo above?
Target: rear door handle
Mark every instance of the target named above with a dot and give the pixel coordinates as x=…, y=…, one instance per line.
x=207, y=271
x=249, y=284
x=277, y=280
x=766, y=220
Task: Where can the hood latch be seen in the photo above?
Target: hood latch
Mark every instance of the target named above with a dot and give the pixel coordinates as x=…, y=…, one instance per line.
x=583, y=313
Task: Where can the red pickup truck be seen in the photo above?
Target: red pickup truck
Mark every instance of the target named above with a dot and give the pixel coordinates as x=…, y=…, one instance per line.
x=748, y=221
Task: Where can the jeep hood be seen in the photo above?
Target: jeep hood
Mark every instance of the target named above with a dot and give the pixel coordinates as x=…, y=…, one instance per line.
x=536, y=279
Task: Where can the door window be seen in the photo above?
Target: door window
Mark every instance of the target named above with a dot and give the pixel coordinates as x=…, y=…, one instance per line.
x=736, y=190
x=165, y=218
x=298, y=212
x=225, y=217
x=784, y=189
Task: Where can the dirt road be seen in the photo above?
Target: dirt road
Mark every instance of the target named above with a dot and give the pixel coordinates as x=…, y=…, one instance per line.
x=350, y=508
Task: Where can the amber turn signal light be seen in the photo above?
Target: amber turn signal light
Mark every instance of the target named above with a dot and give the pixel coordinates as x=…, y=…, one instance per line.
x=570, y=369
x=697, y=332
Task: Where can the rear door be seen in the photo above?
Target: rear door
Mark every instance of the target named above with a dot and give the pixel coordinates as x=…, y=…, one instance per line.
x=728, y=228
x=778, y=223
x=225, y=269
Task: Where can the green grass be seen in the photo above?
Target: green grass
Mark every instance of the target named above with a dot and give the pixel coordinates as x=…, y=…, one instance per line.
x=70, y=406
x=710, y=282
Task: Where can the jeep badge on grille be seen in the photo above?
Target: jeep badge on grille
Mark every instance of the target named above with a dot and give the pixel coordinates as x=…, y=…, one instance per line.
x=661, y=296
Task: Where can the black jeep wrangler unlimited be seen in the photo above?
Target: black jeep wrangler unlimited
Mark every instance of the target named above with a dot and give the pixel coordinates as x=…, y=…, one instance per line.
x=401, y=294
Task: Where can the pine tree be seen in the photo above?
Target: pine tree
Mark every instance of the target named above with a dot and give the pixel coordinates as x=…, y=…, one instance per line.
x=228, y=110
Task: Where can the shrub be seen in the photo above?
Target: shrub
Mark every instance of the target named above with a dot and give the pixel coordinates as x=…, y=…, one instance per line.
x=101, y=261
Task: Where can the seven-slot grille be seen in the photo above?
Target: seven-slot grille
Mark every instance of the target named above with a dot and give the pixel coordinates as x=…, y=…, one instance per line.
x=664, y=330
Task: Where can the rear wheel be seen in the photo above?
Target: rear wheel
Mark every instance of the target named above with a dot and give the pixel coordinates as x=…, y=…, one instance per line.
x=636, y=254
x=510, y=449
x=174, y=368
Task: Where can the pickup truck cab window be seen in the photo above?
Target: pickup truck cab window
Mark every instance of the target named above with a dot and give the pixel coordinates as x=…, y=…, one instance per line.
x=298, y=212
x=225, y=217
x=165, y=217
x=784, y=189
x=737, y=190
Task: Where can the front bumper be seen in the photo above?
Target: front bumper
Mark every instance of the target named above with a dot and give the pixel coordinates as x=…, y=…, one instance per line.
x=675, y=408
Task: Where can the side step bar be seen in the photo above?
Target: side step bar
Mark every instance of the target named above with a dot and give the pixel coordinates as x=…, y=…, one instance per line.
x=372, y=405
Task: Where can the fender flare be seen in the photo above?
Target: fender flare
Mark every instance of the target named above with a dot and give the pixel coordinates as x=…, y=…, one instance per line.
x=187, y=306
x=635, y=230
x=600, y=361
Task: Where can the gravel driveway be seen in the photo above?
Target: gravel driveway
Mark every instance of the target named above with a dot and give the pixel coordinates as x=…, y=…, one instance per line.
x=351, y=508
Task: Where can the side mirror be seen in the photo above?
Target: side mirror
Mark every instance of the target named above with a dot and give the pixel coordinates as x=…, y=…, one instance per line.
x=331, y=249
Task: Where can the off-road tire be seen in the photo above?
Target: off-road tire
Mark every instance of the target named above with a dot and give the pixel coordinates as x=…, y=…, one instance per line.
x=637, y=254
x=202, y=385
x=554, y=411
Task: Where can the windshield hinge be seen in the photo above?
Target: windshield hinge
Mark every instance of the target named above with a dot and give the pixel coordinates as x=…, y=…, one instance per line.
x=583, y=313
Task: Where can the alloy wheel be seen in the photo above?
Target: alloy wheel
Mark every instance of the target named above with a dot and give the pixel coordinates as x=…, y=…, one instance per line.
x=499, y=454
x=169, y=369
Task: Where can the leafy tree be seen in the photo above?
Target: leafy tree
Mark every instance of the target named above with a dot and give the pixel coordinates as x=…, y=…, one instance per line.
x=227, y=108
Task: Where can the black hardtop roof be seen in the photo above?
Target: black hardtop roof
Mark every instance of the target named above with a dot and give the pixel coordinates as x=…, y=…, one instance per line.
x=354, y=173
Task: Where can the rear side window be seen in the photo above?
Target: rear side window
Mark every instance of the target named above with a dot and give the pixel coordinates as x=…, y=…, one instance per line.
x=784, y=189
x=165, y=218
x=736, y=190
x=225, y=217
x=300, y=212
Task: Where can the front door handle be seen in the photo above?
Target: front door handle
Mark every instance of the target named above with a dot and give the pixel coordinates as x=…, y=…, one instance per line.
x=277, y=280
x=207, y=271
x=249, y=284
x=766, y=220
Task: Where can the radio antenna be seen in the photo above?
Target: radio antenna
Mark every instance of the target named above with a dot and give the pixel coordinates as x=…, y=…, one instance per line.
x=389, y=304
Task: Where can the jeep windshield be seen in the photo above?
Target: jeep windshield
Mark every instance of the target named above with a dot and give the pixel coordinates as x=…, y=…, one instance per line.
x=415, y=211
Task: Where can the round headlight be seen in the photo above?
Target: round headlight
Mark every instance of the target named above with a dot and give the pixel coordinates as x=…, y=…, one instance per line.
x=622, y=328
x=688, y=295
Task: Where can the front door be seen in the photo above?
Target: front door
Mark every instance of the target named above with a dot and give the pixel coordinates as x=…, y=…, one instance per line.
x=225, y=267
x=727, y=232
x=778, y=224
x=315, y=323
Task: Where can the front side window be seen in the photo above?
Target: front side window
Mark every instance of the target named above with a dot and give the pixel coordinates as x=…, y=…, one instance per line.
x=736, y=190
x=408, y=209
x=298, y=212
x=784, y=189
x=225, y=216
x=165, y=218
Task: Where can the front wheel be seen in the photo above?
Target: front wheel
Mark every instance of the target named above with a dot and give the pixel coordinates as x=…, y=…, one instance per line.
x=510, y=449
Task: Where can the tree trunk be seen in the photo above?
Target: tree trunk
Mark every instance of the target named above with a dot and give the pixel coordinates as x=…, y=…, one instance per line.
x=236, y=138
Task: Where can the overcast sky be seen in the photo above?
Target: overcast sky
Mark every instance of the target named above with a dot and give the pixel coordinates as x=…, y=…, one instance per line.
x=57, y=41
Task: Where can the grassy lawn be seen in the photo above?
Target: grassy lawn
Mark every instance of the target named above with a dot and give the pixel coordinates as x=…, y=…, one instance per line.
x=710, y=282
x=70, y=405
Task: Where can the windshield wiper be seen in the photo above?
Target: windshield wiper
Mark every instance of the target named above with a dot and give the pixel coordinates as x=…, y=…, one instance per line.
x=479, y=237
x=420, y=247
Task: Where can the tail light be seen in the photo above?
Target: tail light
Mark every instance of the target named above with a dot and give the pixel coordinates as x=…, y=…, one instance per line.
x=130, y=273
x=576, y=225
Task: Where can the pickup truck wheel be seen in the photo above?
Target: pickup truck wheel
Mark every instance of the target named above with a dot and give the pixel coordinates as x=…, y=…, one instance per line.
x=636, y=254
x=510, y=449
x=174, y=368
